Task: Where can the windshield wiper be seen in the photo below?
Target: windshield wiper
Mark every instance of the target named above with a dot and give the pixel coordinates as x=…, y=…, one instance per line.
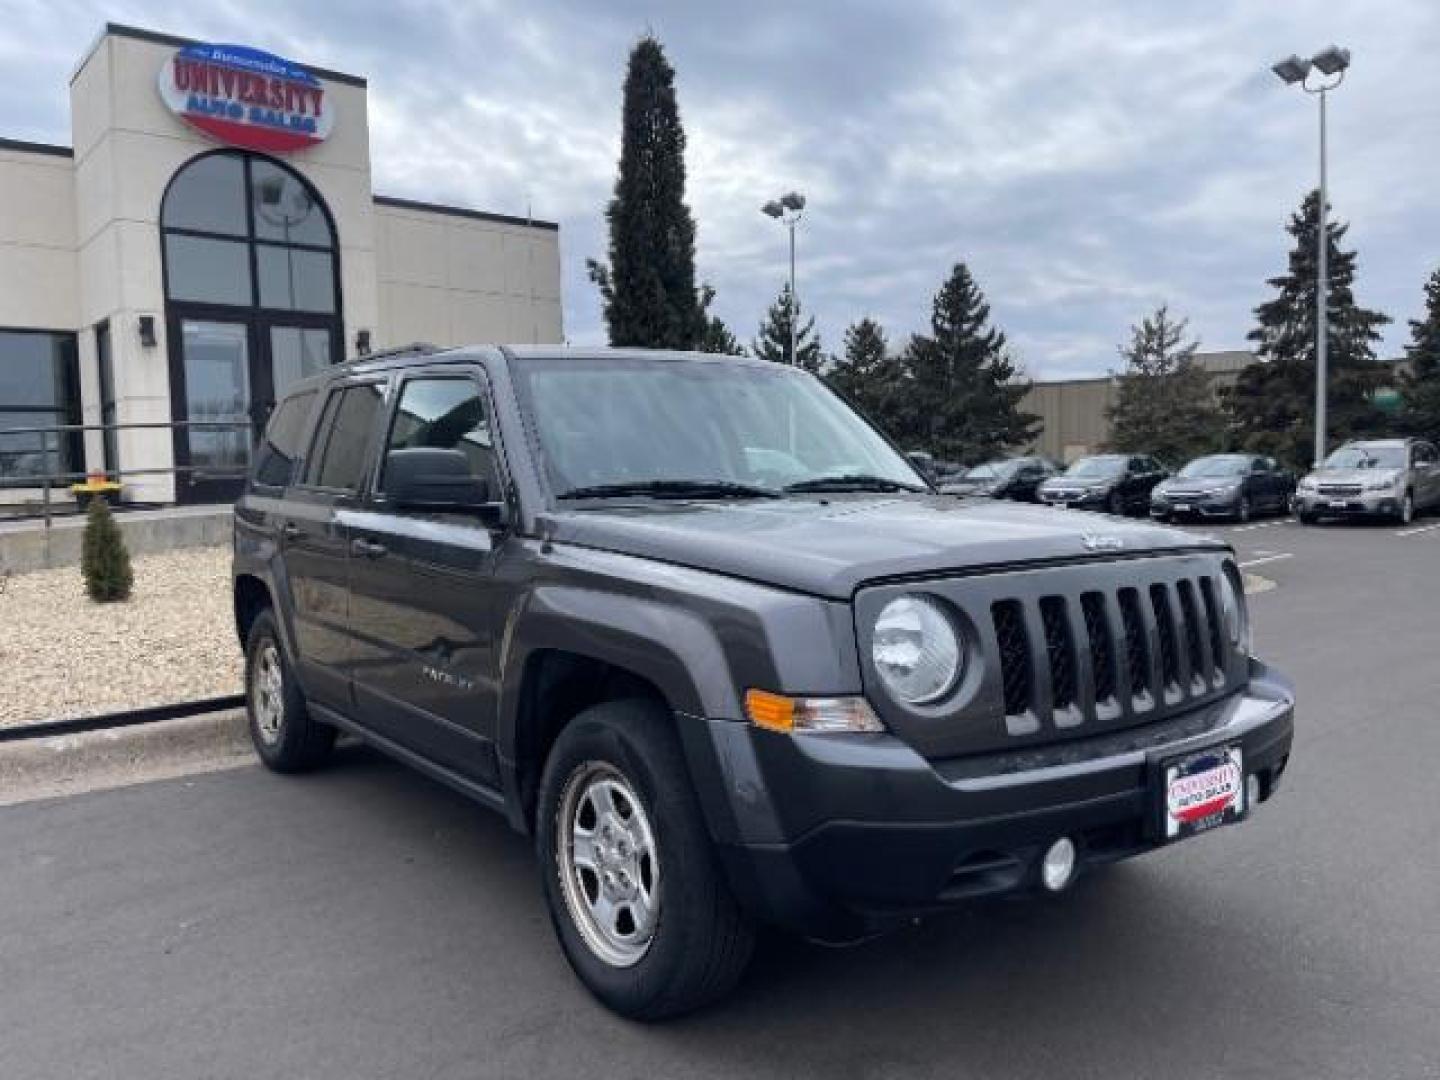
x=850, y=482
x=672, y=489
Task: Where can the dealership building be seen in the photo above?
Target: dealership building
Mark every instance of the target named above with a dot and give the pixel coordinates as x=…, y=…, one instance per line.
x=209, y=236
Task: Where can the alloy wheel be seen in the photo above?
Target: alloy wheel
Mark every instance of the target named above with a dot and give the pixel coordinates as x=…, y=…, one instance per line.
x=267, y=693
x=609, y=864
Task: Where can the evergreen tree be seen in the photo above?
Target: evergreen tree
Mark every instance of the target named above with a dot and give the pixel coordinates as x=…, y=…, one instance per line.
x=715, y=336
x=961, y=399
x=1165, y=405
x=1420, y=386
x=866, y=372
x=649, y=284
x=104, y=560
x=1272, y=405
x=773, y=342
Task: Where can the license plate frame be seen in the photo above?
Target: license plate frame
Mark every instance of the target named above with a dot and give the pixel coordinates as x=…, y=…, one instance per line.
x=1183, y=508
x=1200, y=791
x=1339, y=504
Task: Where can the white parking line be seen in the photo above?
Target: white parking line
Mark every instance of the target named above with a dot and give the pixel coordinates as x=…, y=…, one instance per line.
x=1267, y=558
x=1419, y=529
x=1264, y=525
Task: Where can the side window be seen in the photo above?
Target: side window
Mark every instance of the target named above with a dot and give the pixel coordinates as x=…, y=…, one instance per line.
x=275, y=460
x=337, y=458
x=444, y=414
x=1424, y=454
x=1137, y=465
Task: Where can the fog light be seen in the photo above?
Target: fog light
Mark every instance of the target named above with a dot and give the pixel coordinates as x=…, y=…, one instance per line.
x=1252, y=791
x=1058, y=866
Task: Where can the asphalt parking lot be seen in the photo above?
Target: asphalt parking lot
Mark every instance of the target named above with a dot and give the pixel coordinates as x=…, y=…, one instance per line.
x=365, y=922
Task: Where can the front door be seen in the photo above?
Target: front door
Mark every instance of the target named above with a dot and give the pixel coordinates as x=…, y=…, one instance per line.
x=225, y=379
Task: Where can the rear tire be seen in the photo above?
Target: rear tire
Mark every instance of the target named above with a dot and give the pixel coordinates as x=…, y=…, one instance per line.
x=619, y=828
x=286, y=737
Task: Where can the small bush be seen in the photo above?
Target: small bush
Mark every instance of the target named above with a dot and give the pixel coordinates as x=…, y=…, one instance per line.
x=103, y=559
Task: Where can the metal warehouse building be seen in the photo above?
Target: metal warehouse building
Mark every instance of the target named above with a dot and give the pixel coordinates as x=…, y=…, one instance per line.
x=209, y=235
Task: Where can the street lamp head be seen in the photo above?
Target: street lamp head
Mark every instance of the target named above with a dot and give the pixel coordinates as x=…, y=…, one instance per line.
x=772, y=209
x=1292, y=69
x=793, y=201
x=1332, y=61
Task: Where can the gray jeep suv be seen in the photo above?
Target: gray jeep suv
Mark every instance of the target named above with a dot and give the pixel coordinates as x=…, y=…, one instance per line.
x=708, y=638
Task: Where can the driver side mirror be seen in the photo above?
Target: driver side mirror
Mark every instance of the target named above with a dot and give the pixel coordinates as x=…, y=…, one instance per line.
x=440, y=481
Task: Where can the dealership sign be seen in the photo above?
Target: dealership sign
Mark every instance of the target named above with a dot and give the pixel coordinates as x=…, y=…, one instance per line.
x=246, y=97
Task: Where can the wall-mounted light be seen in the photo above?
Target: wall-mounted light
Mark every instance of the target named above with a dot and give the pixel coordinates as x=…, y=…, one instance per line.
x=147, y=330
x=362, y=343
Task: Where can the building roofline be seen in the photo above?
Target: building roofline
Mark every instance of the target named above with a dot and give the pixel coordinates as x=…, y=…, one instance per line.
x=157, y=38
x=26, y=147
x=464, y=212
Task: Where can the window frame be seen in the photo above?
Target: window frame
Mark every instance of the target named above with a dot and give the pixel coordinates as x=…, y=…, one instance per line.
x=333, y=392
x=481, y=381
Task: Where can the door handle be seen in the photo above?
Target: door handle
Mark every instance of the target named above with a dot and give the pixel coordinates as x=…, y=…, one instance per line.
x=367, y=549
x=289, y=531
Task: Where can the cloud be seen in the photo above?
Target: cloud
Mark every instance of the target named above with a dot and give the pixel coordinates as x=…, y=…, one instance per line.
x=1087, y=161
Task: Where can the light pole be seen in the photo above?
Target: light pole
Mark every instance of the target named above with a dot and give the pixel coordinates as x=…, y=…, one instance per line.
x=789, y=209
x=1331, y=64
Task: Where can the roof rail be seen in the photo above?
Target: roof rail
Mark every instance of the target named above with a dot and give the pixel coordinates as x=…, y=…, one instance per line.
x=415, y=348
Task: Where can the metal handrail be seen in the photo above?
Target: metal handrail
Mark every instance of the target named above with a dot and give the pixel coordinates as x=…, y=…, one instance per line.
x=50, y=450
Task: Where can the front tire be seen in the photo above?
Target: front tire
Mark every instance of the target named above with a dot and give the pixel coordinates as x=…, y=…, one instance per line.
x=1243, y=512
x=286, y=737
x=1407, y=508
x=632, y=882
x=1115, y=504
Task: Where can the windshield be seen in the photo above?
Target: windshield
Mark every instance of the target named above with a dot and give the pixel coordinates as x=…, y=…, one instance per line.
x=1104, y=465
x=630, y=421
x=1216, y=465
x=1367, y=457
x=991, y=470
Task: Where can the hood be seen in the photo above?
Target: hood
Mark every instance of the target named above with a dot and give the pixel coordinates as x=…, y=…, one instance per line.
x=1078, y=483
x=1352, y=476
x=962, y=485
x=1198, y=483
x=830, y=546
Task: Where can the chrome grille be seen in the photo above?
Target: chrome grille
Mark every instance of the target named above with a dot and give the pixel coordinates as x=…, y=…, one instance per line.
x=1340, y=491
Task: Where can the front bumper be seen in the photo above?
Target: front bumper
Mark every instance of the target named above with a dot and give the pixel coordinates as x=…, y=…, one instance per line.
x=1216, y=505
x=840, y=837
x=1087, y=500
x=1366, y=504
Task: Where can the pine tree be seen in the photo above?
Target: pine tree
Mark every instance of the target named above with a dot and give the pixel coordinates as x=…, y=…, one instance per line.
x=773, y=342
x=1420, y=386
x=1272, y=405
x=1165, y=405
x=715, y=336
x=961, y=399
x=866, y=372
x=104, y=560
x=649, y=284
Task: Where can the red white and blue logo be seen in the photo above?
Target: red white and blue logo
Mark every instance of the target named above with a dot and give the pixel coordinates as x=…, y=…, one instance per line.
x=246, y=97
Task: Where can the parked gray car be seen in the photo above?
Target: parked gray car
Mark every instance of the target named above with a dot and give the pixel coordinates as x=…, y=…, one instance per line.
x=1396, y=478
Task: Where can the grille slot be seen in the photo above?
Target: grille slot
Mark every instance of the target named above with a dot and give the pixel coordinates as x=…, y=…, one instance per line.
x=1059, y=651
x=1102, y=649
x=1169, y=648
x=1212, y=619
x=1137, y=643
x=1014, y=646
x=1195, y=648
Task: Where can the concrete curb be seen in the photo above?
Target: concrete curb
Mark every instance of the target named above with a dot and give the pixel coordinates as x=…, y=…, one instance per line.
x=59, y=765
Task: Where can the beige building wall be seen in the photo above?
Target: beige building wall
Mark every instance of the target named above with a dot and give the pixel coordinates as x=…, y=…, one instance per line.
x=39, y=288
x=451, y=277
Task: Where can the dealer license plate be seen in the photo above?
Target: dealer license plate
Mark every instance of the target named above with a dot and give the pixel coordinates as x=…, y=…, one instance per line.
x=1339, y=503
x=1203, y=791
x=1182, y=508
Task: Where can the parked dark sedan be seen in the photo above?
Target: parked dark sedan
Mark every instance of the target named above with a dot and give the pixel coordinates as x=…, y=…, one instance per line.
x=1234, y=486
x=1114, y=483
x=1005, y=478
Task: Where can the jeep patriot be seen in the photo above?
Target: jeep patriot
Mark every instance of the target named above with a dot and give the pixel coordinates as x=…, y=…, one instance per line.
x=708, y=638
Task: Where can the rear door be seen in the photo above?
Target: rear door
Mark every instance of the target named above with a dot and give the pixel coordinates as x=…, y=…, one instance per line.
x=314, y=536
x=425, y=608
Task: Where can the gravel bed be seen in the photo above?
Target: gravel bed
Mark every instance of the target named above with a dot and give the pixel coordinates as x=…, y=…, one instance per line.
x=62, y=655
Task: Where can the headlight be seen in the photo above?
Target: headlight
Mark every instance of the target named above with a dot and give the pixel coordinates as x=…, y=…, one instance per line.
x=1307, y=484
x=1233, y=611
x=1384, y=483
x=916, y=650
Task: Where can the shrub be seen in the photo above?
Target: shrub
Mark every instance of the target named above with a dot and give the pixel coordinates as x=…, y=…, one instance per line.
x=103, y=560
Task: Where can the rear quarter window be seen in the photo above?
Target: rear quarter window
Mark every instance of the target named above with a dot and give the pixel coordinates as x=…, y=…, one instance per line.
x=280, y=448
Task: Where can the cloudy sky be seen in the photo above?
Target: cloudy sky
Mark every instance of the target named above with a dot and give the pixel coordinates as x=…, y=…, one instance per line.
x=1089, y=161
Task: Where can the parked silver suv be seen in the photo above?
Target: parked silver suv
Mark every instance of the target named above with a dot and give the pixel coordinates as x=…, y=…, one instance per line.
x=1380, y=477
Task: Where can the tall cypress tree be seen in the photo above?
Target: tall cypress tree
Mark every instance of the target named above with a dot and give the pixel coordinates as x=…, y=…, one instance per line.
x=1272, y=404
x=649, y=284
x=866, y=372
x=773, y=342
x=1420, y=386
x=962, y=399
x=1165, y=405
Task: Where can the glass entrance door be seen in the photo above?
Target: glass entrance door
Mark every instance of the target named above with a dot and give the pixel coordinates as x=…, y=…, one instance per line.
x=213, y=449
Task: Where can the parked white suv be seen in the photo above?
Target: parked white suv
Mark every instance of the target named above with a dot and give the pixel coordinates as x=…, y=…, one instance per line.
x=1376, y=478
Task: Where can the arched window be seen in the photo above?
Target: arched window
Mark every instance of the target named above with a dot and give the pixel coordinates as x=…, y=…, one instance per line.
x=241, y=230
